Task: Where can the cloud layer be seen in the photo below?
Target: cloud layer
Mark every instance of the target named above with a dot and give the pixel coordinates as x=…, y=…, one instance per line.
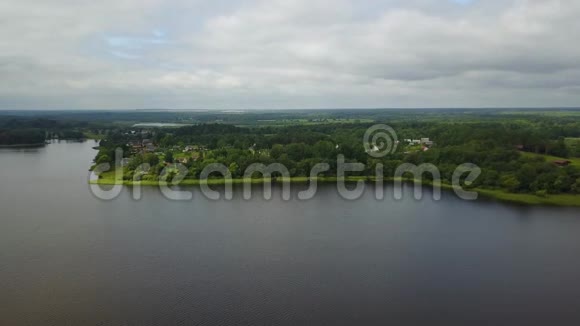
x=278, y=54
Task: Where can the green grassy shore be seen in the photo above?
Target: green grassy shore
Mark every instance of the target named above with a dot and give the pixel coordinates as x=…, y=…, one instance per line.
x=564, y=200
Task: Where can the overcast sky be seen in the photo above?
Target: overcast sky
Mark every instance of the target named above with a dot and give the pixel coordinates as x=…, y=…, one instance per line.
x=284, y=54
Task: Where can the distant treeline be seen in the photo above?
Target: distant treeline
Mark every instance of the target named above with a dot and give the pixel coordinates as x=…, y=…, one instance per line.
x=281, y=117
x=29, y=131
x=22, y=137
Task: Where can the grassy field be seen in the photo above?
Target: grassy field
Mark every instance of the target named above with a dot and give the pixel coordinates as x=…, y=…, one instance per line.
x=529, y=199
x=109, y=178
x=301, y=122
x=575, y=160
x=547, y=113
x=90, y=135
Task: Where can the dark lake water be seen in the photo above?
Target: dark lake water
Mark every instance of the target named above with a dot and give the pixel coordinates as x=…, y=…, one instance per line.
x=67, y=258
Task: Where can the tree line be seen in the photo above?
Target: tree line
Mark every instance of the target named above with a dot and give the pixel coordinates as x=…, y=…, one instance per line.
x=498, y=146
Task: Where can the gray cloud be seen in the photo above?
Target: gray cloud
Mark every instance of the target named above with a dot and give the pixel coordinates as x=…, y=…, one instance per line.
x=288, y=54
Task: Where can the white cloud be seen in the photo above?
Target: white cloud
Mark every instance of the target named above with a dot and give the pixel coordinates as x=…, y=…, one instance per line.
x=288, y=54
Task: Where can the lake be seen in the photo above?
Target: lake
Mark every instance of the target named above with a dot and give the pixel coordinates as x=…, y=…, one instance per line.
x=159, y=125
x=68, y=258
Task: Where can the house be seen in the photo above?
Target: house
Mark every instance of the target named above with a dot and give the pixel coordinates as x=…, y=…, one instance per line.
x=422, y=141
x=182, y=160
x=562, y=163
x=150, y=148
x=373, y=149
x=136, y=145
x=252, y=149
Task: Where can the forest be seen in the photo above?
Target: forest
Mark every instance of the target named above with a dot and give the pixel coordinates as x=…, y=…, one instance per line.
x=520, y=153
x=18, y=130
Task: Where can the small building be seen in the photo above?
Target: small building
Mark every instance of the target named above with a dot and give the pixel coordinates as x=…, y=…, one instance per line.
x=562, y=163
x=135, y=146
x=422, y=141
x=150, y=148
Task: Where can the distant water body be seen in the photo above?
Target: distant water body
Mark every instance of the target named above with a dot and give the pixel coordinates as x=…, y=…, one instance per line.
x=68, y=258
x=160, y=125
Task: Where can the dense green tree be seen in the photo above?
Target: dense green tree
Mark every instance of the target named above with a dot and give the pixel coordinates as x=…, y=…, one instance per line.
x=503, y=148
x=169, y=157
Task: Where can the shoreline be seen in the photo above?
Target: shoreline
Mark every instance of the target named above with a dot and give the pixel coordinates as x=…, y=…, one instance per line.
x=23, y=145
x=559, y=200
x=47, y=142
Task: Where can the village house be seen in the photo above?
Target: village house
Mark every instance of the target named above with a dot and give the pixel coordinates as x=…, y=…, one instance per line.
x=150, y=148
x=134, y=143
x=562, y=163
x=422, y=141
